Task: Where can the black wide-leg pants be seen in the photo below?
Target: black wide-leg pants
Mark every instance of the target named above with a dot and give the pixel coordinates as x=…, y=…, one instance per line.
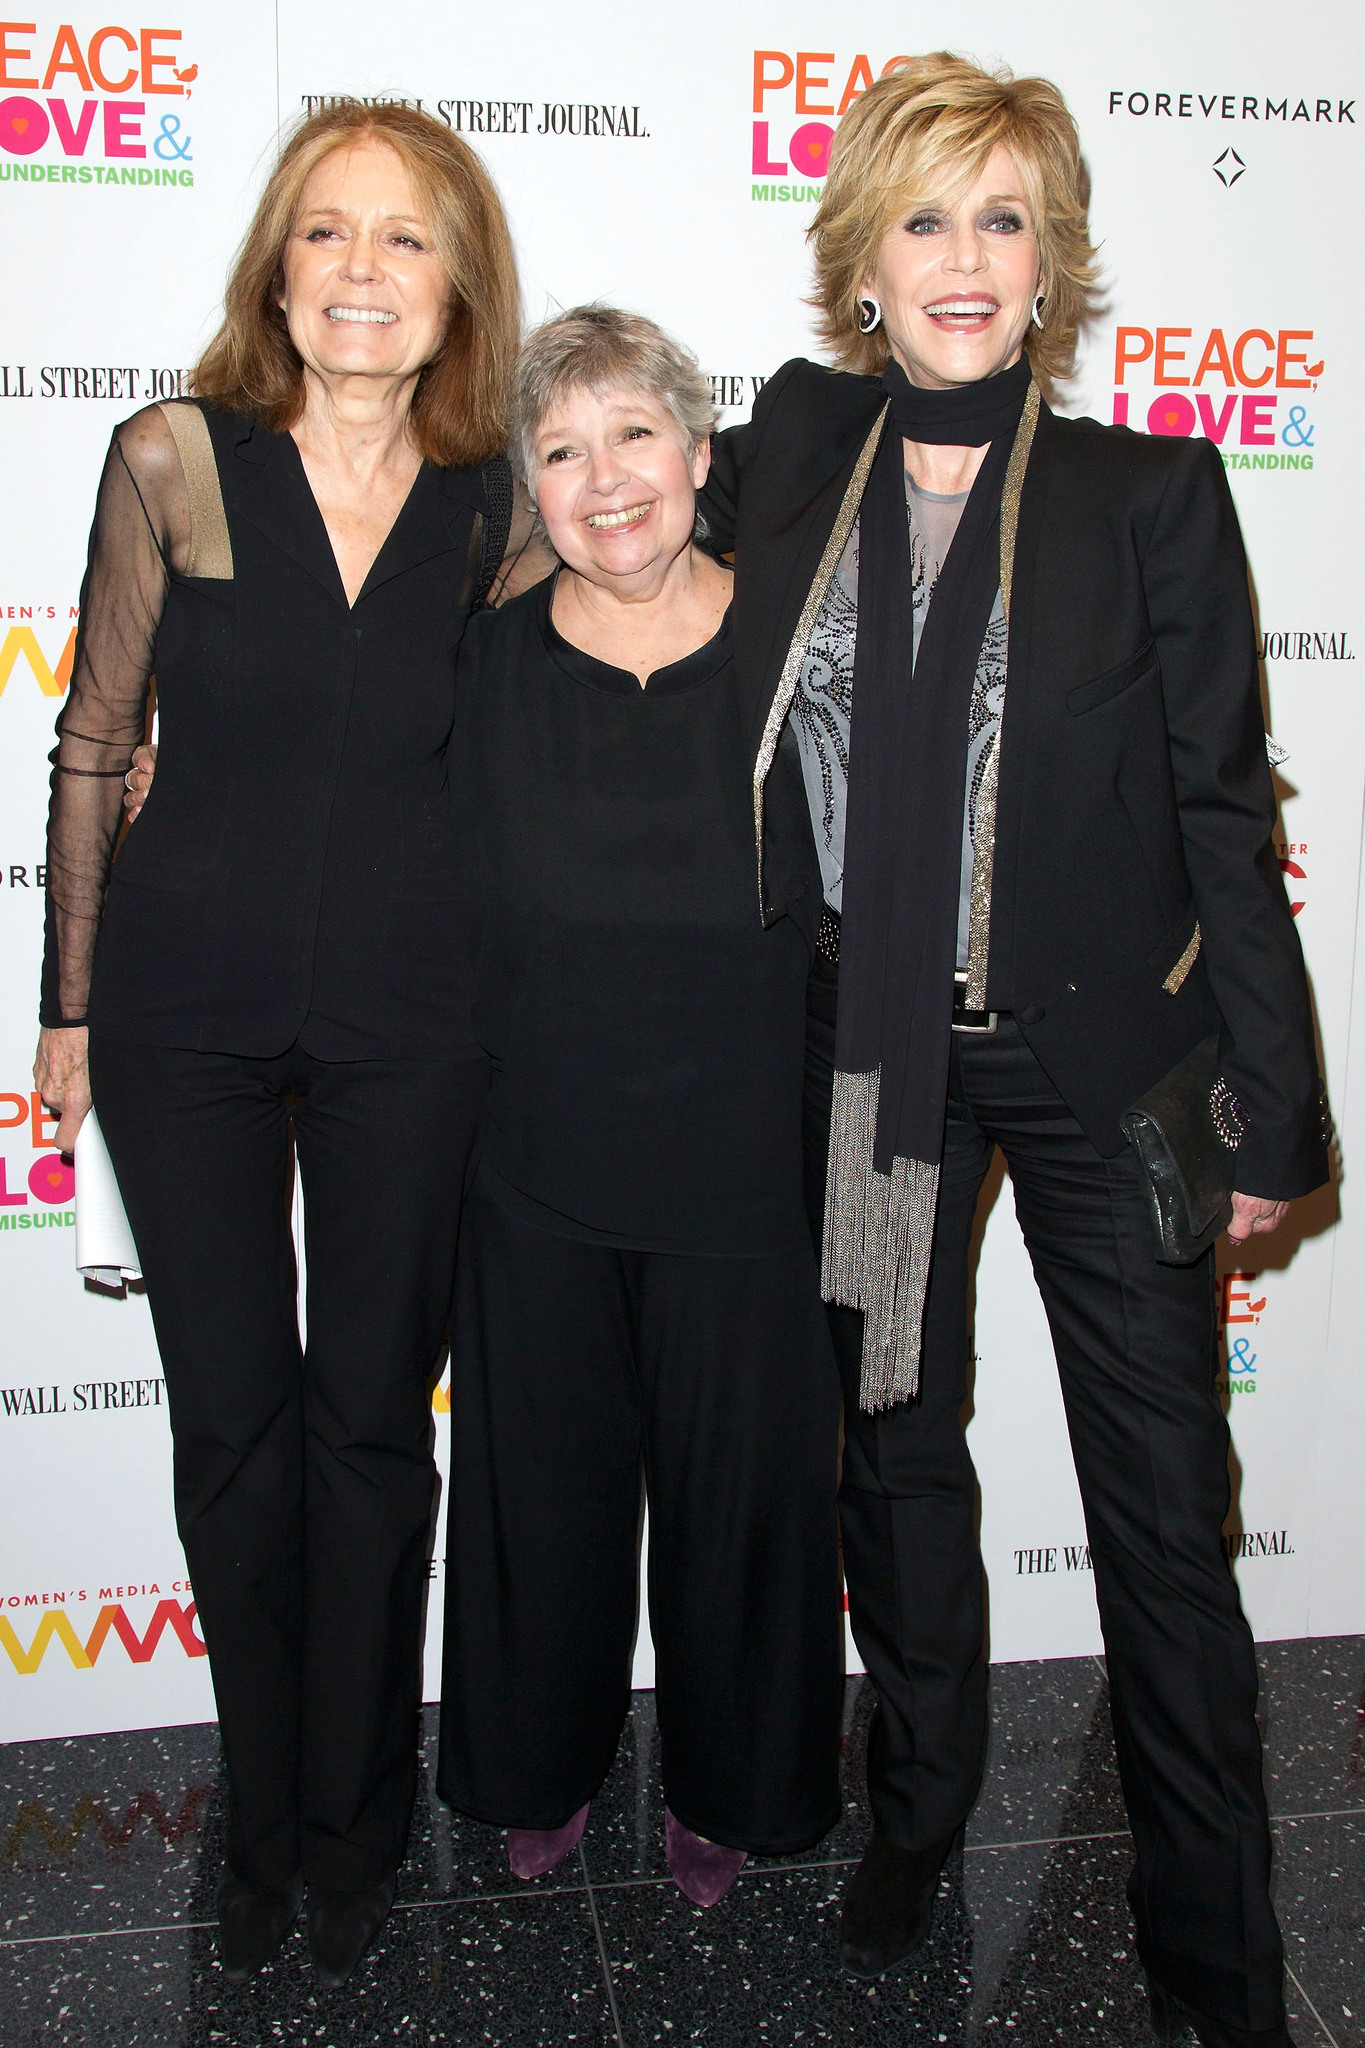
x=1136, y=1346
x=304, y=1477
x=575, y=1366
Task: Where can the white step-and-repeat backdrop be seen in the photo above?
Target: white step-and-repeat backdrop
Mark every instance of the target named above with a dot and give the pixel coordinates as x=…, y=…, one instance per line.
x=670, y=160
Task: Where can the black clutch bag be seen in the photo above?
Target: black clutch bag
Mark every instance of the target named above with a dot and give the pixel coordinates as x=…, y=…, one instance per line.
x=1185, y=1133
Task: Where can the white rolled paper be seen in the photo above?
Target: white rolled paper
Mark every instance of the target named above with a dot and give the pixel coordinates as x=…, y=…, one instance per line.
x=104, y=1239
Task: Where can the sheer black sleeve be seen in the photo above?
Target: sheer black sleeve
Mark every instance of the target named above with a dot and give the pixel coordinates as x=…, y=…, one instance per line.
x=141, y=532
x=529, y=557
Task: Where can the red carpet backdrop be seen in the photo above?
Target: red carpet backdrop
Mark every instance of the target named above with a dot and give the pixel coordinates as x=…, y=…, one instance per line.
x=671, y=161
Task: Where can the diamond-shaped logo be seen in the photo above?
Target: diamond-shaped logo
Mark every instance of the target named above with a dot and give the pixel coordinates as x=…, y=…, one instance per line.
x=1229, y=167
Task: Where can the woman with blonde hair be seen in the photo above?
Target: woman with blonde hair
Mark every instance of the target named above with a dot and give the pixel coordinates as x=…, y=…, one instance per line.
x=1017, y=654
x=278, y=956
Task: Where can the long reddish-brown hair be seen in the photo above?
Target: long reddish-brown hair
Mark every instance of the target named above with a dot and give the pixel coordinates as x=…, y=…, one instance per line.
x=460, y=406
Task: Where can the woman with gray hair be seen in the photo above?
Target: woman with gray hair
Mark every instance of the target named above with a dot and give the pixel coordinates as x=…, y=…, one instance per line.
x=636, y=1291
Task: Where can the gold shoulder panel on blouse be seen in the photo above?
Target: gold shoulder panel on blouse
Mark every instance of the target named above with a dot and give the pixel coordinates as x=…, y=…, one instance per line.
x=210, y=548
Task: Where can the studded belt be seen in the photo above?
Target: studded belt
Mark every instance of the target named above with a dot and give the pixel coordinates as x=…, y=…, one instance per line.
x=971, y=1020
x=827, y=942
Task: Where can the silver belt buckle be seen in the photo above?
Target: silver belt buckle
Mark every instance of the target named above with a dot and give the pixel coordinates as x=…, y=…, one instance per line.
x=992, y=1016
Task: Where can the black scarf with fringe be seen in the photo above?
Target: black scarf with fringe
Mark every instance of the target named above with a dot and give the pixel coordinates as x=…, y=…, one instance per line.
x=902, y=863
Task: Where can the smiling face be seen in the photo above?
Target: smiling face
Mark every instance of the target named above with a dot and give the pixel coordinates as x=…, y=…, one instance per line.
x=956, y=282
x=365, y=294
x=616, y=481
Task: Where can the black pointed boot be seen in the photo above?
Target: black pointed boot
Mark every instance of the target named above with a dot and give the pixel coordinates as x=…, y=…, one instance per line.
x=254, y=1922
x=1173, y=2021
x=889, y=1905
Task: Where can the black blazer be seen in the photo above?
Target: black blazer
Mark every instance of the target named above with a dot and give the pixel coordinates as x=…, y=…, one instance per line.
x=1135, y=797
x=294, y=869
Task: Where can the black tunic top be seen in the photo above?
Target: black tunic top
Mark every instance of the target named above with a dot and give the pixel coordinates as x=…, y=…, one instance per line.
x=292, y=876
x=646, y=1030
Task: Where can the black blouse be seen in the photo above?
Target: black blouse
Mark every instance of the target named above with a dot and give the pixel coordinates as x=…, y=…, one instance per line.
x=646, y=1031
x=293, y=874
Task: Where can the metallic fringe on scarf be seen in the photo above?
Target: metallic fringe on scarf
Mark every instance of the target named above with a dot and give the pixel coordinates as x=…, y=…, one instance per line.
x=879, y=1232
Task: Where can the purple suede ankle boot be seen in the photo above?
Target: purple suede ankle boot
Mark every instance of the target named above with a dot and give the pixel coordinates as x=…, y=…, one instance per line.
x=702, y=1871
x=533, y=1851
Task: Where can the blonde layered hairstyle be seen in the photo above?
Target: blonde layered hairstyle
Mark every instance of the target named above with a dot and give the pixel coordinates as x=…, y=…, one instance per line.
x=460, y=406
x=919, y=137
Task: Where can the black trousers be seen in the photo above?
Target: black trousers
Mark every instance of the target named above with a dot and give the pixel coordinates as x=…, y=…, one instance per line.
x=1136, y=1346
x=574, y=1365
x=304, y=1478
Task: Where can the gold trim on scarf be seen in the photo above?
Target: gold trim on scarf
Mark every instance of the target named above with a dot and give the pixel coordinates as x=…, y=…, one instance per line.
x=983, y=856
x=1175, y=979
x=805, y=626
x=210, y=552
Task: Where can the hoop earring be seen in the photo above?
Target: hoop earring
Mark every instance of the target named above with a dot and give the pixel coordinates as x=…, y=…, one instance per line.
x=869, y=315
x=1037, y=316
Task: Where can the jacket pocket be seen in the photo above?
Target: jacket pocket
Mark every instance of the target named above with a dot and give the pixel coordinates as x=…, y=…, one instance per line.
x=1175, y=953
x=1088, y=696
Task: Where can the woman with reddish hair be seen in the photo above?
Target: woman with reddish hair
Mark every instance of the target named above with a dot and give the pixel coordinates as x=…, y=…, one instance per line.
x=276, y=962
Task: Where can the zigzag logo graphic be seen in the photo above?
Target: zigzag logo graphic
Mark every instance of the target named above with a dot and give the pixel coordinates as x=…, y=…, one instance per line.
x=141, y=1649
x=34, y=1818
x=23, y=640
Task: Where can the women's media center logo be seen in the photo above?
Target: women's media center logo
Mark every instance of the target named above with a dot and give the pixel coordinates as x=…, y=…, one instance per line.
x=172, y=1619
x=76, y=112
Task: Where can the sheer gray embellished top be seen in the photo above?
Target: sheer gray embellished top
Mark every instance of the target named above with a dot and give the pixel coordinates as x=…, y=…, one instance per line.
x=823, y=703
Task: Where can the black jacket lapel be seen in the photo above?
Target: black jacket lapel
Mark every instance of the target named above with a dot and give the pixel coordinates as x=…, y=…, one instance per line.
x=435, y=520
x=263, y=482
x=788, y=560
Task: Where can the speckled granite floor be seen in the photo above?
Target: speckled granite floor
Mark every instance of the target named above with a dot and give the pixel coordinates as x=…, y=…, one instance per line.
x=110, y=1848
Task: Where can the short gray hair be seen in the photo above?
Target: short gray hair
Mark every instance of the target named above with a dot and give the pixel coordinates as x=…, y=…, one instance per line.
x=600, y=348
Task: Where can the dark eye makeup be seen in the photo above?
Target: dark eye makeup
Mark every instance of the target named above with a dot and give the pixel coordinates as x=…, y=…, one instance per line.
x=1006, y=220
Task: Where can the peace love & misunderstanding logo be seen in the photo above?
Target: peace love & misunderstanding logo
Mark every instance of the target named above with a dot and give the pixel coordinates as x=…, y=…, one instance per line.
x=1234, y=386
x=791, y=87
x=74, y=106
